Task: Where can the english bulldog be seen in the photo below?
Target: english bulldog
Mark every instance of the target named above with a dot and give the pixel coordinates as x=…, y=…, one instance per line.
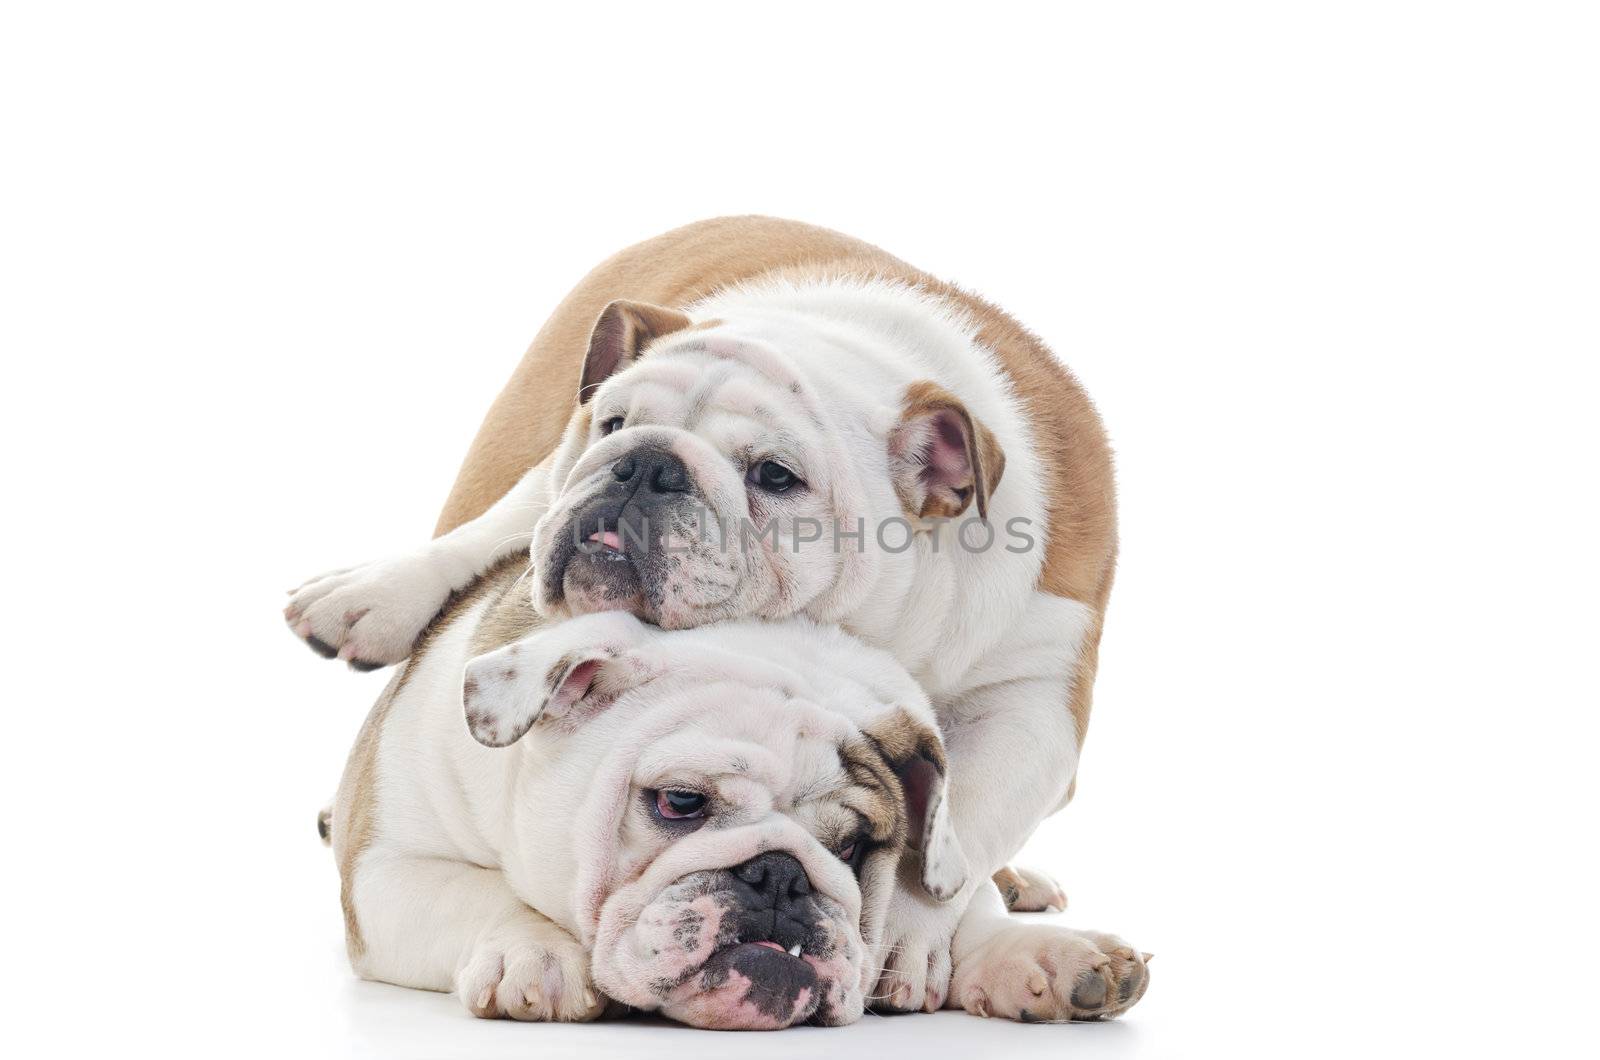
x=750, y=417
x=707, y=824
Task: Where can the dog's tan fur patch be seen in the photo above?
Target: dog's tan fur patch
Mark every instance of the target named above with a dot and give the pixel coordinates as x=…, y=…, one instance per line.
x=355, y=808
x=876, y=791
x=687, y=264
x=900, y=738
x=510, y=615
x=896, y=741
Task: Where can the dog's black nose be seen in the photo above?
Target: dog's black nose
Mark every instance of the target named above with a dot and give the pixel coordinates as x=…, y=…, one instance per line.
x=775, y=876
x=656, y=469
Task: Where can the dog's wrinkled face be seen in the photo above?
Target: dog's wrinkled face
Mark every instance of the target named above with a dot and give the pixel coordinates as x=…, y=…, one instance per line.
x=684, y=487
x=712, y=479
x=738, y=827
x=751, y=850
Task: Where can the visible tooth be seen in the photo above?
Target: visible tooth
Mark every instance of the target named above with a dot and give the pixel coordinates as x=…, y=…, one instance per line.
x=794, y=951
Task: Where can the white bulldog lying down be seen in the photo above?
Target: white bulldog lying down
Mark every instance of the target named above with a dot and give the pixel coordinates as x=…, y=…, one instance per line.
x=704, y=823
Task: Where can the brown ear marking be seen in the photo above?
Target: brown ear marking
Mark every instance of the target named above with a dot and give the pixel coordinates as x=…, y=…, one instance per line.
x=957, y=459
x=899, y=738
x=893, y=763
x=621, y=331
x=882, y=798
x=915, y=755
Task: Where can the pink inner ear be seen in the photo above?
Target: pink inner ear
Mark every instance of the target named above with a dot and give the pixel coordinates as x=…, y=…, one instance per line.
x=605, y=354
x=947, y=463
x=574, y=686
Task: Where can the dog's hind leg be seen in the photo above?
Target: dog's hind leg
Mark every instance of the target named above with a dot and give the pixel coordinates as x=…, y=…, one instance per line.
x=1028, y=891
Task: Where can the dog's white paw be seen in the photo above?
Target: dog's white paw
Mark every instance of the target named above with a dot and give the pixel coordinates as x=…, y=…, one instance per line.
x=1043, y=973
x=529, y=979
x=1027, y=891
x=916, y=965
x=370, y=616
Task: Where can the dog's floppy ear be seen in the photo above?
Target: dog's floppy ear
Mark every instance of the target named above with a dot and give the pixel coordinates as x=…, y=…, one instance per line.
x=569, y=670
x=620, y=333
x=913, y=750
x=941, y=456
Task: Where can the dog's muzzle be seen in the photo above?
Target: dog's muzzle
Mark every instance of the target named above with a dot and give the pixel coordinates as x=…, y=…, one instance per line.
x=752, y=947
x=612, y=550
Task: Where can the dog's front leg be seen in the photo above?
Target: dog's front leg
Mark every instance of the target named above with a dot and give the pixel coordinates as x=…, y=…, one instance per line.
x=1038, y=971
x=371, y=615
x=448, y=925
x=1012, y=751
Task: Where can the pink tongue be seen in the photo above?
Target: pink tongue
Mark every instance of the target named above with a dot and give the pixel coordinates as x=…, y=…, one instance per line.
x=769, y=944
x=608, y=539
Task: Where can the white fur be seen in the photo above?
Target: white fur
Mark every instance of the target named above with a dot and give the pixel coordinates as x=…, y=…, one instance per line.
x=882, y=337
x=488, y=864
x=996, y=656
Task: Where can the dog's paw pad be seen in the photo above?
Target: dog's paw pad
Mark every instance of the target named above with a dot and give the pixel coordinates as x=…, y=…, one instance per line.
x=1089, y=992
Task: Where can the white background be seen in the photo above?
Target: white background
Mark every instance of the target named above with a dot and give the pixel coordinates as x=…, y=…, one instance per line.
x=1330, y=272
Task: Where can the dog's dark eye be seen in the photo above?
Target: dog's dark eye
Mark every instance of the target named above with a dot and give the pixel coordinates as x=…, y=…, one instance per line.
x=611, y=426
x=680, y=805
x=774, y=477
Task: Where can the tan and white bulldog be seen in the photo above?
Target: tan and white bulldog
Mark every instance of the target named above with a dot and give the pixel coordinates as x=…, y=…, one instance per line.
x=705, y=823
x=754, y=417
